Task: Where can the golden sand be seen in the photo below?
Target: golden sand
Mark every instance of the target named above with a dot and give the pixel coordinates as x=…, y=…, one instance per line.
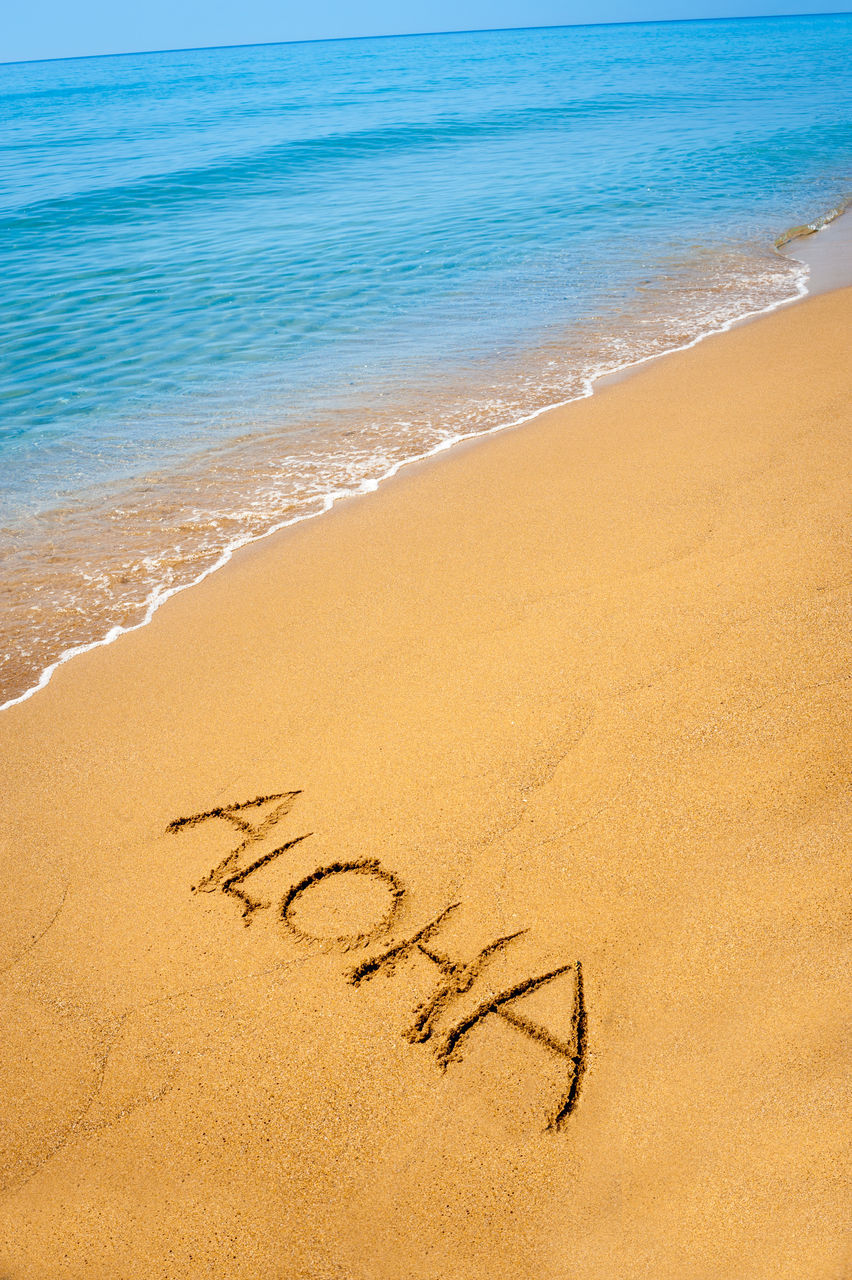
x=586, y=682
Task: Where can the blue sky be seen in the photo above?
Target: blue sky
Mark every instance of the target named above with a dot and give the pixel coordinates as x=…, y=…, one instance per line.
x=59, y=29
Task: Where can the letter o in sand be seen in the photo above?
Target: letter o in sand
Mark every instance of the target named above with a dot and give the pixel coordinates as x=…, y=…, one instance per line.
x=323, y=916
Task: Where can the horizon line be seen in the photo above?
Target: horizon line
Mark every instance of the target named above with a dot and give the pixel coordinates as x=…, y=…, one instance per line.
x=417, y=35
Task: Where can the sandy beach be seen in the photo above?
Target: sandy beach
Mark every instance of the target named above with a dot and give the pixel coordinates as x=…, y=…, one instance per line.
x=452, y=887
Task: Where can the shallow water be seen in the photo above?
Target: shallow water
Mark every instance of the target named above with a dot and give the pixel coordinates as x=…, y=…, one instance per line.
x=239, y=282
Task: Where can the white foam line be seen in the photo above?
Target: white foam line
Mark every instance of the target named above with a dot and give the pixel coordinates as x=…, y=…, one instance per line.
x=159, y=596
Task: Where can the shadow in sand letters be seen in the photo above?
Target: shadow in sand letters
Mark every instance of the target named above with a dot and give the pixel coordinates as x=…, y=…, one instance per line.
x=455, y=977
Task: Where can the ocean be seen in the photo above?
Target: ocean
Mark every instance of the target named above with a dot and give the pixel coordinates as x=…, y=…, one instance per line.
x=240, y=283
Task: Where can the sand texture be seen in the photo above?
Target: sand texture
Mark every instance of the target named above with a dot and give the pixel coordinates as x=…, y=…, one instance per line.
x=530, y=960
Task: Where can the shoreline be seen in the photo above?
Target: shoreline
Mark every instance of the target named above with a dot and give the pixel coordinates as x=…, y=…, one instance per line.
x=827, y=279
x=456, y=888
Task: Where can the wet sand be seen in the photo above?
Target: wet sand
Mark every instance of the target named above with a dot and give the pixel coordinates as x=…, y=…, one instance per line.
x=586, y=683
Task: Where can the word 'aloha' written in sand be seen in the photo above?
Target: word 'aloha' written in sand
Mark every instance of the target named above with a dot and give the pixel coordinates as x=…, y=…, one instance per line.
x=455, y=977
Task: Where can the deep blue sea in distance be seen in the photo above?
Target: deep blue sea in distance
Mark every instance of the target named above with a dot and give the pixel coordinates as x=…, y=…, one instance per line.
x=239, y=282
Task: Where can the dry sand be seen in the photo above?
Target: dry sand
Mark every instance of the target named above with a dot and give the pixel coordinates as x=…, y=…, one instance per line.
x=587, y=679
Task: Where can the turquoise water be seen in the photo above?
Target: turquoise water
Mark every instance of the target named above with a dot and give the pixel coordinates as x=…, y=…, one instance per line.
x=237, y=282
